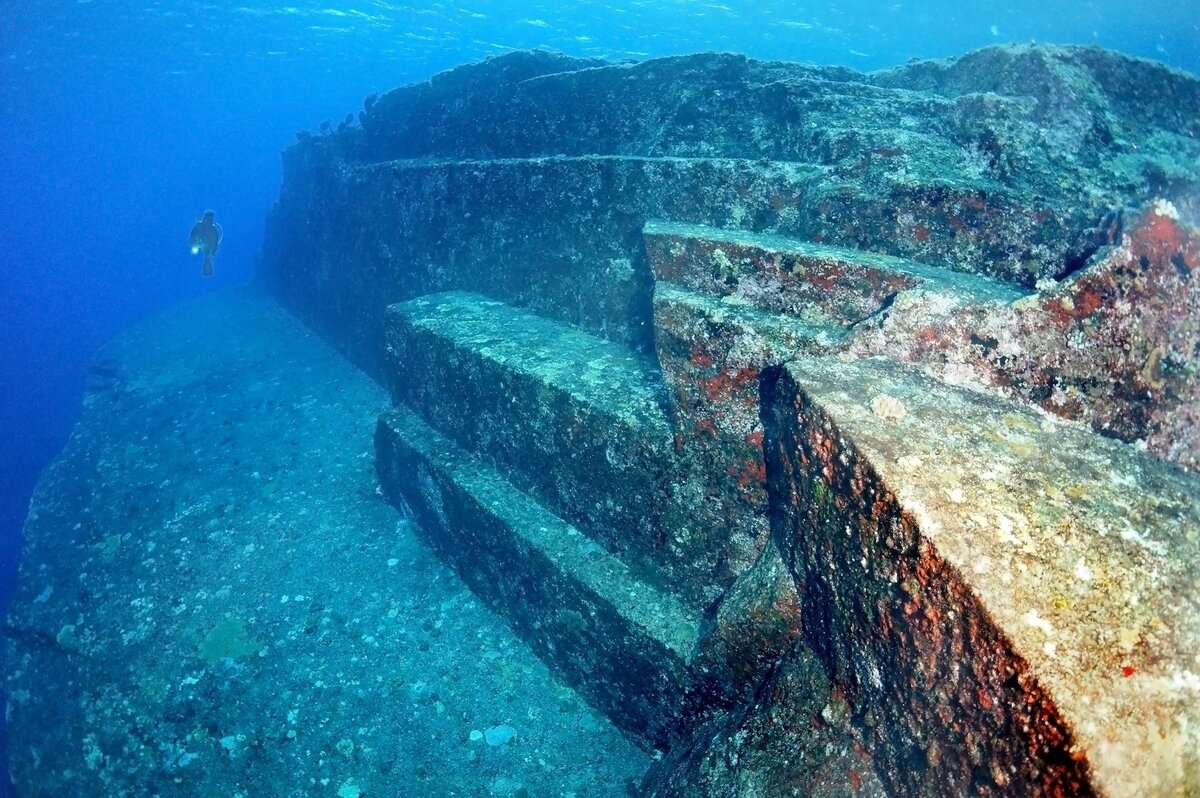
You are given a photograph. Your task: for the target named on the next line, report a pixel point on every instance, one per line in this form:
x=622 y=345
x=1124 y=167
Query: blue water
x=121 y=122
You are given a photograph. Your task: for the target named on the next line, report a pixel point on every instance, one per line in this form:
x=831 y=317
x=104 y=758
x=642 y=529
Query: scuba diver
x=206 y=237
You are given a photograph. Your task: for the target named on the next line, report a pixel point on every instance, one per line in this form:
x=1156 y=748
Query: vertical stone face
x=898 y=630
x=900 y=595
x=790 y=738
x=717 y=435
x=816 y=284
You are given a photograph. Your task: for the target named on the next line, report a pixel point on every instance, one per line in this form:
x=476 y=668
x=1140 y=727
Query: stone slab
x=817 y=283
x=560 y=236
x=576 y=420
x=1010 y=602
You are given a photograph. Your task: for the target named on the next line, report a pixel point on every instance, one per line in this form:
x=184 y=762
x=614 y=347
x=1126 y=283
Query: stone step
x=576 y=421
x=1113 y=344
x=814 y=282
x=730 y=303
x=988 y=584
x=1116 y=344
x=625 y=644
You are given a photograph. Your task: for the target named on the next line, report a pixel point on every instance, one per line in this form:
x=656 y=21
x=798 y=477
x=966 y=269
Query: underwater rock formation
x=528 y=177
x=830 y=433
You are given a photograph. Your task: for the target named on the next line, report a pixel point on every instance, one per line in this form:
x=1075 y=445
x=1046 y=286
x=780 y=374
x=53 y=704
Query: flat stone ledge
x=1116 y=345
x=576 y=421
x=616 y=381
x=815 y=282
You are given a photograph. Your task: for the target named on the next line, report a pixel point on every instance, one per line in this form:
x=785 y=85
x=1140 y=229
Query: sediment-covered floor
x=215 y=599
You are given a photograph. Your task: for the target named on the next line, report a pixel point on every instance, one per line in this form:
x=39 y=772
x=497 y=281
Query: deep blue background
x=121 y=122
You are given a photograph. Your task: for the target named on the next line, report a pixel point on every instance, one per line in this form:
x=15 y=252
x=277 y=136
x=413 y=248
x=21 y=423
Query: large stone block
x=576 y=420
x=1010 y=603
x=793 y=737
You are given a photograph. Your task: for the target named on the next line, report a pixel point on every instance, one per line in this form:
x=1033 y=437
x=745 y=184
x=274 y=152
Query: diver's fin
x=208 y=269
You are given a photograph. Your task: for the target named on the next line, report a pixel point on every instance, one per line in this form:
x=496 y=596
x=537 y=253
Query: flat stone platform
x=215 y=599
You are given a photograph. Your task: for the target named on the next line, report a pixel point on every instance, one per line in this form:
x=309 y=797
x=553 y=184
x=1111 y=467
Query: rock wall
x=528 y=177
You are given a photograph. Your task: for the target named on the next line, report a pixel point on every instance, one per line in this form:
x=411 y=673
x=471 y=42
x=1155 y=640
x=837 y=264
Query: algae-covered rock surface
x=528 y=177
x=215 y=600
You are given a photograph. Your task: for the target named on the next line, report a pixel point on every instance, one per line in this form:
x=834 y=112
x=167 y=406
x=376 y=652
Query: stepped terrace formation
x=827 y=433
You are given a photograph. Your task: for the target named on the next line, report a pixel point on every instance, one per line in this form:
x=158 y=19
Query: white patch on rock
x=889 y=408
x=432 y=494
x=1083 y=572
x=1037 y=622
x=1165 y=208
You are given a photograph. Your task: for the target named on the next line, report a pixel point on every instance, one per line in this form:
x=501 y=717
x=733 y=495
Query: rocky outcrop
x=528 y=177
x=916 y=449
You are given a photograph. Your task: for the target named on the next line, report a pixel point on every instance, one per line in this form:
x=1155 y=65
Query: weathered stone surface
x=711 y=354
x=756 y=623
x=559 y=235
x=793 y=738
x=576 y=420
x=1116 y=345
x=1010 y=603
x=528 y=177
x=1038 y=120
x=816 y=284
x=729 y=304
x=626 y=645
x=756 y=301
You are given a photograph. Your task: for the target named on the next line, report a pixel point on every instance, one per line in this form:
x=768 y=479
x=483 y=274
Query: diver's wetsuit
x=206 y=237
